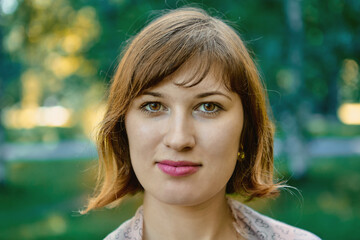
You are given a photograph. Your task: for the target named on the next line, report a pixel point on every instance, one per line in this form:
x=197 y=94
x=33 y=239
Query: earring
x=241 y=154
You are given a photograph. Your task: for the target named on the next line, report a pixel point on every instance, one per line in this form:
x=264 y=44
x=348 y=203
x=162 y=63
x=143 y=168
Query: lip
x=178 y=168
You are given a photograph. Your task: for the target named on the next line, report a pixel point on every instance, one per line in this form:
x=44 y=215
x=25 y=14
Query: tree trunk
x=291 y=119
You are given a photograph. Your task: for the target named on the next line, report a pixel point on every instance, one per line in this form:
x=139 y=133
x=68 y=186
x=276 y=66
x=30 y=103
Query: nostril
x=179 y=141
x=186 y=149
x=179 y=135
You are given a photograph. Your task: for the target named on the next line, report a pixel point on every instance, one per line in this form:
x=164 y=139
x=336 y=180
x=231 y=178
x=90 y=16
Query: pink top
x=248 y=223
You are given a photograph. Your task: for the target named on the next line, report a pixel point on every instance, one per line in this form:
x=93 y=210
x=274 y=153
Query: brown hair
x=155 y=53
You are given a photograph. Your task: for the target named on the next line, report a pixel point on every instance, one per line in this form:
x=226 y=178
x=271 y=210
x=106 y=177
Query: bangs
x=197 y=69
x=193 y=44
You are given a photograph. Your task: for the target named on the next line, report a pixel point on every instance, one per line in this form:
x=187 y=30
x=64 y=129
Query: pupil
x=154 y=106
x=209 y=107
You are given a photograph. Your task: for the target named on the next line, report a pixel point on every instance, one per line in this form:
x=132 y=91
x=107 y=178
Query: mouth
x=178 y=168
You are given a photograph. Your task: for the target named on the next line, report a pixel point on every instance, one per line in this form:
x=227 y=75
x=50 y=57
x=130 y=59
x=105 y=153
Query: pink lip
x=178 y=168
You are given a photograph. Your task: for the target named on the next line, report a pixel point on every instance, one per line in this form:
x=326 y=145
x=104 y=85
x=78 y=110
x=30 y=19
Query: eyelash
x=147 y=111
x=217 y=106
x=218 y=109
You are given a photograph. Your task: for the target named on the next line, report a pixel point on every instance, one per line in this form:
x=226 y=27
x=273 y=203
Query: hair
x=156 y=52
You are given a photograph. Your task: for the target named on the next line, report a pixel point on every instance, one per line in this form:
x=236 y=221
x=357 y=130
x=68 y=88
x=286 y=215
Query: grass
x=40 y=201
x=329 y=202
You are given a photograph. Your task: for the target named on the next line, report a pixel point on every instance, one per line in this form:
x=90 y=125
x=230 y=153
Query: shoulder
x=120 y=232
x=130 y=229
x=254 y=225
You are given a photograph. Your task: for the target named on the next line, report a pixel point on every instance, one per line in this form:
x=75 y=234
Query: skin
x=201 y=124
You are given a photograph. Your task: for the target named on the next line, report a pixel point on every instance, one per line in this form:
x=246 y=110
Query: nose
x=179 y=134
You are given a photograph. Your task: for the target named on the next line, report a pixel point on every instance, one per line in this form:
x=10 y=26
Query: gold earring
x=241 y=155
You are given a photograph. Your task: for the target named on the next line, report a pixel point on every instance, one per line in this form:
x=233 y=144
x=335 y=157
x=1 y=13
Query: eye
x=155 y=106
x=209 y=108
x=152 y=107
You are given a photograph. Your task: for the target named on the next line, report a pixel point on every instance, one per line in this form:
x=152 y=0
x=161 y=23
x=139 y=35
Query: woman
x=186 y=124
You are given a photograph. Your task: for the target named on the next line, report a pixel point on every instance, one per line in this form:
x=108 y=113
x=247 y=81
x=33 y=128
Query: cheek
x=220 y=147
x=142 y=136
x=223 y=141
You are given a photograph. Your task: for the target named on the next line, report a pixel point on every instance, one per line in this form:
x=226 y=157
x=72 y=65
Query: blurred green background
x=56 y=60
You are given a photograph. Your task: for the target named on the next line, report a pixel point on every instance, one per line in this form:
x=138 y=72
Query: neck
x=205 y=221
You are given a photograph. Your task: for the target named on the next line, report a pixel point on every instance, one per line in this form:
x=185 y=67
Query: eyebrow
x=206 y=94
x=201 y=95
x=155 y=94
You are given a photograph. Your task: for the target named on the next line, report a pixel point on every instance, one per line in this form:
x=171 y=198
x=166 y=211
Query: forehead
x=187 y=79
x=194 y=75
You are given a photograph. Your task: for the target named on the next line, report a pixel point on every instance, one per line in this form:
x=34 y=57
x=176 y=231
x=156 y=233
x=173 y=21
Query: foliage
x=64 y=52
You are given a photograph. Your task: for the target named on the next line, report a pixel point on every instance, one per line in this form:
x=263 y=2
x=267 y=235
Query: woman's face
x=184 y=141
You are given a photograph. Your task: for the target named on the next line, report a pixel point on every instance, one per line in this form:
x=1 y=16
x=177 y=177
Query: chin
x=182 y=198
